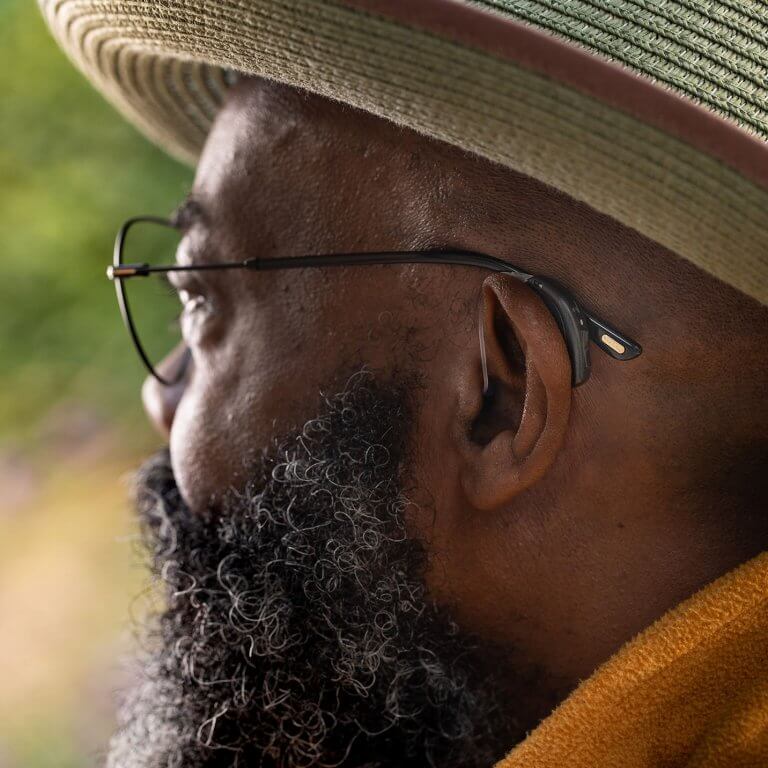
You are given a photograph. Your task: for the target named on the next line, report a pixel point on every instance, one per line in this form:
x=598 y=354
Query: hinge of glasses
x=127 y=270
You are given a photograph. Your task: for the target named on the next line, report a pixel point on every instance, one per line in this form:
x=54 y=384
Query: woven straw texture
x=716 y=53
x=163 y=64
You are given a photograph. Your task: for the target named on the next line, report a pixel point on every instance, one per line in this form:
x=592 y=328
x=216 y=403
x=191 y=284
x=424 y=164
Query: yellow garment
x=691 y=691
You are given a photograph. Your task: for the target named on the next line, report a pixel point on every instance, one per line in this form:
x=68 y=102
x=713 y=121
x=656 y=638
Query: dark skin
x=560 y=521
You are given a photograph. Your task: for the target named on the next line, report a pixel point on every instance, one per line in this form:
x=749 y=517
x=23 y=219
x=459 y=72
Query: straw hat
x=652 y=111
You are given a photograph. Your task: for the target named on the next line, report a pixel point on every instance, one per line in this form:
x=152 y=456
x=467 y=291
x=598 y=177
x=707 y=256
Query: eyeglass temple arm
x=559 y=299
x=577 y=324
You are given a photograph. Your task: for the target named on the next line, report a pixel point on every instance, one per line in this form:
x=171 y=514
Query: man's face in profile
x=367 y=559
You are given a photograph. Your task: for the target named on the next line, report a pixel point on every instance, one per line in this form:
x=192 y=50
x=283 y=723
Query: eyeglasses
x=151 y=312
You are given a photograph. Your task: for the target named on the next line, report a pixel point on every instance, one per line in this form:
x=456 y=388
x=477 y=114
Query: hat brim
x=655 y=161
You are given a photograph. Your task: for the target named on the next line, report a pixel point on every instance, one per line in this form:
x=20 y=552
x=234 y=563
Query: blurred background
x=71 y=426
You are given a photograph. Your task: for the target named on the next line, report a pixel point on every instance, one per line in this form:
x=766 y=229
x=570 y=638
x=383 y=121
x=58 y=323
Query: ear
x=511 y=435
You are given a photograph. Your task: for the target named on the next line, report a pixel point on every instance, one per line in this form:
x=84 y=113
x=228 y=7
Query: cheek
x=282 y=351
x=256 y=386
x=220 y=430
x=203 y=448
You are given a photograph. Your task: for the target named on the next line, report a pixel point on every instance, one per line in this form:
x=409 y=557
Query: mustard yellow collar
x=691 y=690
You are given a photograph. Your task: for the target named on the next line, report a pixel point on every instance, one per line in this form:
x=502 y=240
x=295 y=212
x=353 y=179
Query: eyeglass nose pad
x=184 y=364
x=172 y=370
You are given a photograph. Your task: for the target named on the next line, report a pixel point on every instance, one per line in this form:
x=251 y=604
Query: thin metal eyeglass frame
x=577 y=325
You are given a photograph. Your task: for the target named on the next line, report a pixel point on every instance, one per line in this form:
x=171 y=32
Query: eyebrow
x=190 y=212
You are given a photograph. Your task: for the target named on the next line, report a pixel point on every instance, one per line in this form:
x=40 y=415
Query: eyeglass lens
x=152 y=301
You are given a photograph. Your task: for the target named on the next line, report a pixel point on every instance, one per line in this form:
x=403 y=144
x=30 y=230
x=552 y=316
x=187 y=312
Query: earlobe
x=512 y=434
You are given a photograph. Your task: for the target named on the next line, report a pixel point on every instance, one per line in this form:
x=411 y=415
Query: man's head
x=555 y=523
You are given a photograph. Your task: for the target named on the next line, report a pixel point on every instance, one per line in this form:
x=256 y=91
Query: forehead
x=293 y=171
x=265 y=127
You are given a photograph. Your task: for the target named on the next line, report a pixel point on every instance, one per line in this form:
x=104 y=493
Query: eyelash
x=168 y=286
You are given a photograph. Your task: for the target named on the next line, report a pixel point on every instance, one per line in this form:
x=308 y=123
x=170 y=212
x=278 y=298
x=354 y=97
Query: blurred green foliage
x=71 y=169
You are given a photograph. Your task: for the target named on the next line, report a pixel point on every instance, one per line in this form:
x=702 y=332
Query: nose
x=161 y=401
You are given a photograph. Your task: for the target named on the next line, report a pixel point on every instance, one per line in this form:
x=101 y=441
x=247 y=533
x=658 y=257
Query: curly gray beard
x=296 y=629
